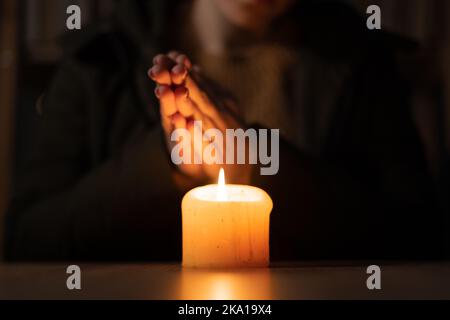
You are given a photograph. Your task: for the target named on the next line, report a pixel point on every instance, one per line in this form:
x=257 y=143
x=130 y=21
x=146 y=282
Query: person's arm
x=320 y=211
x=64 y=209
x=371 y=197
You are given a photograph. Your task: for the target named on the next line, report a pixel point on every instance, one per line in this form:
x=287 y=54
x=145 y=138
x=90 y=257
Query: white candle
x=226 y=226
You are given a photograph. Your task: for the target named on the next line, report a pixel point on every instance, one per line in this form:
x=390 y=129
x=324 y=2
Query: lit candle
x=226 y=226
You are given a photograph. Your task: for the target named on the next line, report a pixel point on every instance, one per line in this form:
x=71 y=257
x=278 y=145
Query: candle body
x=226 y=233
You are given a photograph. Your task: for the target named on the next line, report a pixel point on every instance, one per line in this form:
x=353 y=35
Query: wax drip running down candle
x=226 y=226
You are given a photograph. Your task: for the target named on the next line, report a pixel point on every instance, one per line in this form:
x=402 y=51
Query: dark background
x=31 y=46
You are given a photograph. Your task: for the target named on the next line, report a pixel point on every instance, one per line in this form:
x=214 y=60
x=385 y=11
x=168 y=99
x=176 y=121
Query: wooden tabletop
x=171 y=281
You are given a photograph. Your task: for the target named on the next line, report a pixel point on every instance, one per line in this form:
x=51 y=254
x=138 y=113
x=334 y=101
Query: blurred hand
x=186 y=96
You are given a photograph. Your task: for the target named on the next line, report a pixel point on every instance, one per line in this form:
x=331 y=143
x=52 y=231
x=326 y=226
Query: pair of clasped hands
x=186 y=96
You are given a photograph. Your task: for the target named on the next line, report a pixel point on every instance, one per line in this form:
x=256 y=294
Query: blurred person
x=100 y=184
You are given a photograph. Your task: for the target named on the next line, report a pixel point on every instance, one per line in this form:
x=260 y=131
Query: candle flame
x=221 y=177
x=221 y=191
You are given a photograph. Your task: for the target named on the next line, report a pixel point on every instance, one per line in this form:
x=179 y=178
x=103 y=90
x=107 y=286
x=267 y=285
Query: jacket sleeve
x=370 y=195
x=64 y=209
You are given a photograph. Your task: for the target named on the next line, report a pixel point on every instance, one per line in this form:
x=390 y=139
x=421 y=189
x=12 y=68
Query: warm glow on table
x=230 y=284
x=226 y=226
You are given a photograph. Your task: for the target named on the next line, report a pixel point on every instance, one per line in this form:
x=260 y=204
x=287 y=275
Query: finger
x=167 y=100
x=183 y=103
x=160 y=75
x=189 y=109
x=190 y=126
x=199 y=116
x=178 y=74
x=184 y=60
x=180 y=58
x=178 y=121
x=164 y=61
x=166 y=123
x=203 y=103
x=176 y=62
x=159 y=58
x=173 y=54
x=208 y=123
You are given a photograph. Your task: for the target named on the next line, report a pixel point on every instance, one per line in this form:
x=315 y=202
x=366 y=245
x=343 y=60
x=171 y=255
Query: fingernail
x=157 y=92
x=157 y=58
x=178 y=70
x=184 y=60
x=155 y=71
